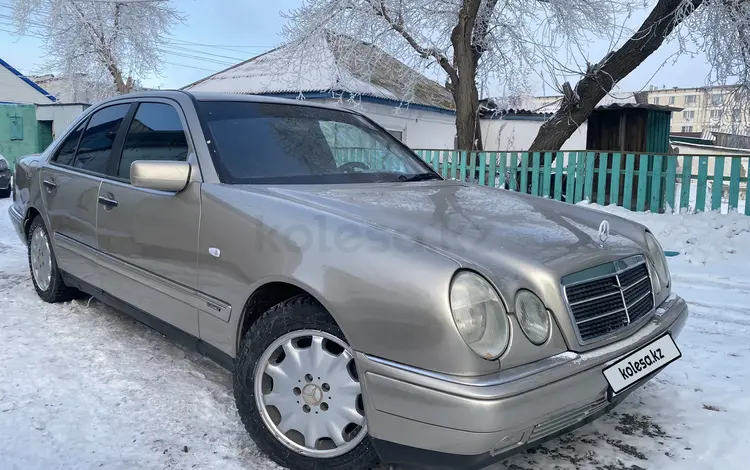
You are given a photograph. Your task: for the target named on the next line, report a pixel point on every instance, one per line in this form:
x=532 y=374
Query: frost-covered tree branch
x=469 y=44
x=106 y=45
x=717 y=27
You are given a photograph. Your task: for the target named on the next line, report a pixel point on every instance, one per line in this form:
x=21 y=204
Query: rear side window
x=98 y=138
x=156 y=133
x=67 y=151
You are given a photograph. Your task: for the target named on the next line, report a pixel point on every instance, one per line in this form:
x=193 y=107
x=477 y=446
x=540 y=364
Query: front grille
x=606 y=303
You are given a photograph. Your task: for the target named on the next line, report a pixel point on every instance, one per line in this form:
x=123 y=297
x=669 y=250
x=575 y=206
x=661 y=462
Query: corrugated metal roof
x=328 y=62
x=656 y=107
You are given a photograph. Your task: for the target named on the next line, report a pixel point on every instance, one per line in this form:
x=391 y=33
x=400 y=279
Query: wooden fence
x=639 y=182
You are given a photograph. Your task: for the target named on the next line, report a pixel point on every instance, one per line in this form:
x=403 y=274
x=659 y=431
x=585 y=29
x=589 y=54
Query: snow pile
x=82 y=386
x=710 y=239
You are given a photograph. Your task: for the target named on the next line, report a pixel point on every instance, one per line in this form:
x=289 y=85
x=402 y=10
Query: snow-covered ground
x=83 y=386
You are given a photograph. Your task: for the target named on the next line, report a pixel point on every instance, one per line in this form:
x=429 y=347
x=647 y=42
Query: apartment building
x=705 y=109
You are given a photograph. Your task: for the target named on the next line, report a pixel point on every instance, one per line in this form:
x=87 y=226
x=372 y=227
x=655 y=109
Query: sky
x=238 y=30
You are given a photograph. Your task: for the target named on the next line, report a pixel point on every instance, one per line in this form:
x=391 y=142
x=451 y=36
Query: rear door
x=148 y=238
x=70 y=188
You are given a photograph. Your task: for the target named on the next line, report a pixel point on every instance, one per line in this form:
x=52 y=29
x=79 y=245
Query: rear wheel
x=45 y=274
x=298 y=391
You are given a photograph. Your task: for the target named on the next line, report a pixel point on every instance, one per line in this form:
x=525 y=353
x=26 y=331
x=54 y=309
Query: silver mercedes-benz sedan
x=371 y=311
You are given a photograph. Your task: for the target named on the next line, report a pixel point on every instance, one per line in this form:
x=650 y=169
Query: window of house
x=656 y=100
x=717 y=99
x=156 y=133
x=691 y=99
x=688 y=114
x=397 y=134
x=716 y=113
x=687 y=128
x=67 y=151
x=98 y=138
x=671 y=100
x=736 y=115
x=16 y=128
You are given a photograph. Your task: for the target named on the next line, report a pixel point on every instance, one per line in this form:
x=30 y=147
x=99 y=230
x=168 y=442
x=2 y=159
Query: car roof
x=213 y=96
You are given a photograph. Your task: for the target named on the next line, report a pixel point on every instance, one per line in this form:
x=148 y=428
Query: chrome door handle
x=107 y=201
x=49 y=184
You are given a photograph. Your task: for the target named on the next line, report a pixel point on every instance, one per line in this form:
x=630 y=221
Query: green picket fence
x=637 y=182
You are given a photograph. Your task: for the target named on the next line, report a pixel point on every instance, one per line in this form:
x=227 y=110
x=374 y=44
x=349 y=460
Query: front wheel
x=298 y=392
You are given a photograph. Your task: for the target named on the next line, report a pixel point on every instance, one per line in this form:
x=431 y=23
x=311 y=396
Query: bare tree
x=468 y=43
x=717 y=27
x=108 y=44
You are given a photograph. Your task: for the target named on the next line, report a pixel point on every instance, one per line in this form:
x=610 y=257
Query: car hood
x=481 y=226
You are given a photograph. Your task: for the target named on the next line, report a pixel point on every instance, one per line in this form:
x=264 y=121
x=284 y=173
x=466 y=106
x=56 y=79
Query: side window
x=67 y=151
x=156 y=133
x=98 y=138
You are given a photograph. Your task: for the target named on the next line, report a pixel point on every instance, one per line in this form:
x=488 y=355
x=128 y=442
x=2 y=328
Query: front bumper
x=4 y=180
x=417 y=417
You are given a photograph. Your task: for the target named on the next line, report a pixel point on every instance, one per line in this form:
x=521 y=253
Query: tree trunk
x=122 y=86
x=465 y=93
x=577 y=105
x=467 y=116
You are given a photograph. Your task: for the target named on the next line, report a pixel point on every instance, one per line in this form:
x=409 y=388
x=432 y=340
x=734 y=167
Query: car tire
x=5 y=193
x=51 y=288
x=288 y=325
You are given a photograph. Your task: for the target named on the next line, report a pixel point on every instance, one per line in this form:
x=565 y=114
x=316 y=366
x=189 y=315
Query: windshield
x=256 y=143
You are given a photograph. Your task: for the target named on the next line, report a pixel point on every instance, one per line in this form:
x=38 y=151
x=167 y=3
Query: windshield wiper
x=420 y=177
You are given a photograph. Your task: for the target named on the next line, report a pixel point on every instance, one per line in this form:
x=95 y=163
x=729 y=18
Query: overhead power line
x=191 y=67
x=195 y=51
x=196 y=57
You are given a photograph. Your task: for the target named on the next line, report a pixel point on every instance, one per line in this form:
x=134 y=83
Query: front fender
x=387 y=292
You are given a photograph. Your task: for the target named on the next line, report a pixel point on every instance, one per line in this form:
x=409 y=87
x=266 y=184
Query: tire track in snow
x=711 y=282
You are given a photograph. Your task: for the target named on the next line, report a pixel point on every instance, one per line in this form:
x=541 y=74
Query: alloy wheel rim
x=41 y=259
x=309 y=396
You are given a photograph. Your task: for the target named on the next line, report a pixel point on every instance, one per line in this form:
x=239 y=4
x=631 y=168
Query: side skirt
x=223 y=359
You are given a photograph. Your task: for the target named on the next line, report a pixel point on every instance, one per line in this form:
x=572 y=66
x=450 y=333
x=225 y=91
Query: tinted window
x=96 y=143
x=155 y=134
x=273 y=143
x=68 y=149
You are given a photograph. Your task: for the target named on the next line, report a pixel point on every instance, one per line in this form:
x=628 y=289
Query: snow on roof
x=328 y=62
x=615 y=96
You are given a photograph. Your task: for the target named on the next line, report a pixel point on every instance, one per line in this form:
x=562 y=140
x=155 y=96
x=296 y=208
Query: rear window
x=67 y=151
x=96 y=144
x=291 y=144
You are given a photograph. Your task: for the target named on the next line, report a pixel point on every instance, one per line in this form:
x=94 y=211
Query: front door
x=148 y=238
x=71 y=181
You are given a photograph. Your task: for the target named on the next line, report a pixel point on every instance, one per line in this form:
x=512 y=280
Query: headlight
x=479 y=315
x=658 y=260
x=532 y=316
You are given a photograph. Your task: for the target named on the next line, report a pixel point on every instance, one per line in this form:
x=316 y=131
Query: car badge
x=603 y=233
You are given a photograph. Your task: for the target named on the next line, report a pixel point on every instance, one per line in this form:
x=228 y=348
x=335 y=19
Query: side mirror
x=160 y=175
